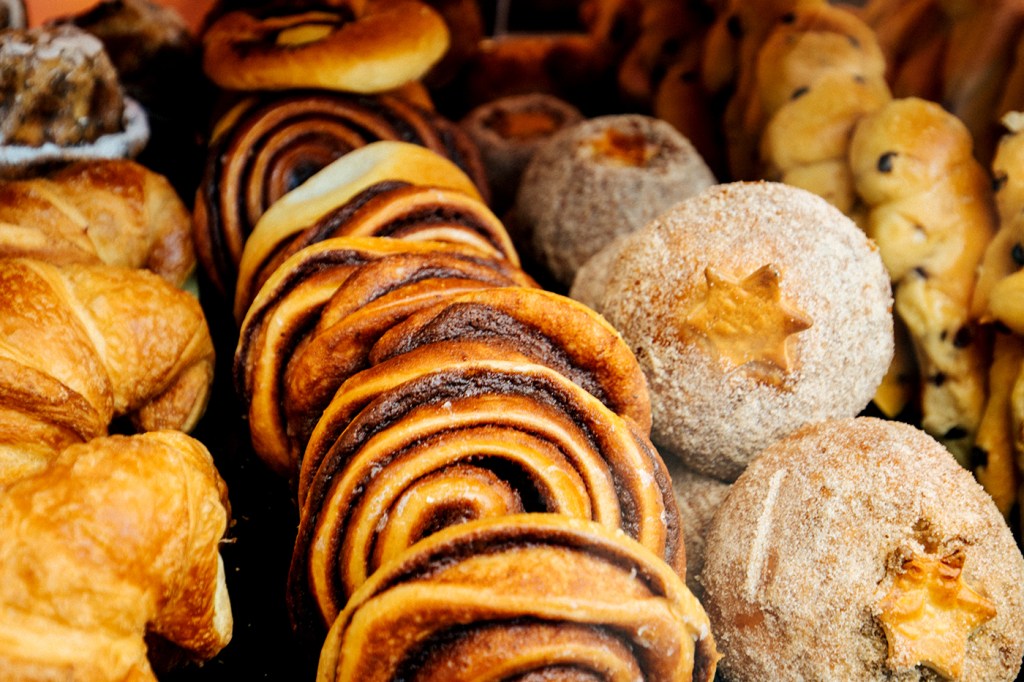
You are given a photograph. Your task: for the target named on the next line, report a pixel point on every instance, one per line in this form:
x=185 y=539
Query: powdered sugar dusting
x=716 y=417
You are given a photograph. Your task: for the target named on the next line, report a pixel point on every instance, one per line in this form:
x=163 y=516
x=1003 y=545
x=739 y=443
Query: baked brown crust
x=369 y=47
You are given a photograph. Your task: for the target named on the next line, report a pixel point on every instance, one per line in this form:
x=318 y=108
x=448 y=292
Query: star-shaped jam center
x=748 y=321
x=929 y=614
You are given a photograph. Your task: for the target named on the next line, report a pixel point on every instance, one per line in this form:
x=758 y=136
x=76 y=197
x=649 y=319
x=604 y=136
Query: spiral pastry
x=269 y=144
x=456 y=431
x=522 y=597
x=286 y=308
x=371 y=301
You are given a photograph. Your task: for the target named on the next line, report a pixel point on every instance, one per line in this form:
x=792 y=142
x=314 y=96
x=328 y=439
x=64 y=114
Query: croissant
x=393 y=457
x=269 y=144
x=115 y=212
x=535 y=596
x=83 y=344
x=118 y=539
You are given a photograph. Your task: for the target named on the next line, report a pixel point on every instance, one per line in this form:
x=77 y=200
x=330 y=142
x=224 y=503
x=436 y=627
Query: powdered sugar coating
x=810 y=537
x=715 y=416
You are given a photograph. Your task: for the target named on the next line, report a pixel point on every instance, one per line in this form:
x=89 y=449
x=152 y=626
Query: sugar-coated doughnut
x=858 y=549
x=754 y=308
x=361 y=47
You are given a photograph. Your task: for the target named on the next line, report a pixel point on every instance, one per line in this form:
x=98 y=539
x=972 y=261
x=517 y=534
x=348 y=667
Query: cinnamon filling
x=623 y=149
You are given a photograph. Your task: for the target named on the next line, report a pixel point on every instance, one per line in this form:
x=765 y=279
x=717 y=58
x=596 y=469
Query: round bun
x=600 y=179
x=698 y=498
x=754 y=309
x=363 y=47
x=858 y=549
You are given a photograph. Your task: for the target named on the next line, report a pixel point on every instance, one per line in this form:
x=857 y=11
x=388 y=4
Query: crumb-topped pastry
x=858 y=549
x=754 y=309
x=60 y=97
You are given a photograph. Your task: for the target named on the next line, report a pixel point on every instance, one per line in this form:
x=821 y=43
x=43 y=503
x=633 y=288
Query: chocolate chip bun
x=599 y=179
x=754 y=309
x=858 y=549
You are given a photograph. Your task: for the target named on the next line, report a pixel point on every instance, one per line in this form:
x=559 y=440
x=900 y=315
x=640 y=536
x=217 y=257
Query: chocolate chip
x=885 y=162
x=1018 y=254
x=921 y=272
x=955 y=433
x=788 y=18
x=999 y=181
x=978 y=457
x=938 y=378
x=800 y=92
x=734 y=26
x=963 y=338
x=854 y=41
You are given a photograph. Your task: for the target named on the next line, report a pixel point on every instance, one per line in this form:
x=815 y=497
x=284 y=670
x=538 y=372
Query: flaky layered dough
x=367 y=47
x=270 y=143
x=531 y=597
x=389 y=460
x=115 y=212
x=81 y=345
x=814 y=342
x=822 y=561
x=117 y=539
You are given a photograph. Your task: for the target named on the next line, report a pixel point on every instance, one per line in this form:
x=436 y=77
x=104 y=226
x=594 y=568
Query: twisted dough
x=931 y=216
x=113 y=212
x=117 y=539
x=83 y=344
x=535 y=596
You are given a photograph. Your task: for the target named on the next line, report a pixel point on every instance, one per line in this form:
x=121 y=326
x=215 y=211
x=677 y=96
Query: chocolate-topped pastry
x=60 y=97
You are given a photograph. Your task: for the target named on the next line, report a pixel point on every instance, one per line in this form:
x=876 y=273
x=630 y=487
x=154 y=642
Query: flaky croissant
x=107 y=211
x=84 y=344
x=118 y=538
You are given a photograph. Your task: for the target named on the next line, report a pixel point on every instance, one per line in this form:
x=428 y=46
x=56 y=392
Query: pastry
x=931 y=214
x=117 y=540
x=83 y=344
x=599 y=179
x=104 y=211
x=535 y=596
x=61 y=99
x=456 y=431
x=698 y=498
x=508 y=131
x=753 y=308
x=269 y=144
x=364 y=46
x=823 y=563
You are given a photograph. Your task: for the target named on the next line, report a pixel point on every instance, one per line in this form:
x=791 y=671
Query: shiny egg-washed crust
x=334 y=186
x=372 y=47
x=286 y=309
x=712 y=414
x=270 y=143
x=930 y=212
x=812 y=536
x=105 y=211
x=600 y=179
x=448 y=388
x=377 y=296
x=534 y=596
x=399 y=210
x=83 y=344
x=117 y=539
x=552 y=329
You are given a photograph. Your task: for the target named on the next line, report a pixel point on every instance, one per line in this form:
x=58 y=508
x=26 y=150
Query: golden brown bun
x=81 y=345
x=117 y=539
x=374 y=48
x=538 y=592
x=831 y=541
x=115 y=212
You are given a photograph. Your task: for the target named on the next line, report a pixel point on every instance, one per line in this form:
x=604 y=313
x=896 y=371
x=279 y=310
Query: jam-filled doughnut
x=858 y=549
x=357 y=46
x=754 y=309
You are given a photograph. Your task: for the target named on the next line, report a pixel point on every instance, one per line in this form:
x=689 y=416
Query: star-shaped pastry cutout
x=929 y=614
x=747 y=321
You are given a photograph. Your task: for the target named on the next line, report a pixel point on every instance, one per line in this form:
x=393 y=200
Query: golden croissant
x=117 y=539
x=85 y=344
x=107 y=211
